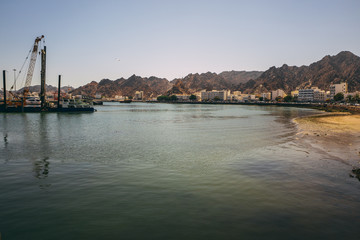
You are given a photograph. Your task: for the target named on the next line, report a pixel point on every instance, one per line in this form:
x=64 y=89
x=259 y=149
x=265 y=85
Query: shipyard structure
x=13 y=101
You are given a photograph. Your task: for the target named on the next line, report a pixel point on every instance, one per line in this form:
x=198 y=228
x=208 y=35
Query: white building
x=277 y=93
x=338 y=88
x=306 y=95
x=222 y=95
x=312 y=95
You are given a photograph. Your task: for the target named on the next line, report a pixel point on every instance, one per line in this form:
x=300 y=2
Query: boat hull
x=11 y=109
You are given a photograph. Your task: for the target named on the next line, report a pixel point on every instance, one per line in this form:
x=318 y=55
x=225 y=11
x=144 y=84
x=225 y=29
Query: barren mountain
x=125 y=87
x=49 y=88
x=345 y=66
x=209 y=81
x=237 y=77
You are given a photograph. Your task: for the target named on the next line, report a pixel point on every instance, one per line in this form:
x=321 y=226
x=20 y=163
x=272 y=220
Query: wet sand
x=334 y=134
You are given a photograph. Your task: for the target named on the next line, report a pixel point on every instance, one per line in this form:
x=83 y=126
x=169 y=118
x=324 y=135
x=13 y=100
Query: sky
x=92 y=40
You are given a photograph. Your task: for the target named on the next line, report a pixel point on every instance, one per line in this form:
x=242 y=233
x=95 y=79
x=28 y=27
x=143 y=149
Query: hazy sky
x=91 y=40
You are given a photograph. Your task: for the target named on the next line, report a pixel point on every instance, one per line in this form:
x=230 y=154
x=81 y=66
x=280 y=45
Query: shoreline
x=334 y=134
x=327 y=107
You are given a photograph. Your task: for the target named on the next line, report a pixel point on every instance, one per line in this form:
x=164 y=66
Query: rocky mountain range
x=151 y=87
x=344 y=66
x=154 y=86
x=49 y=88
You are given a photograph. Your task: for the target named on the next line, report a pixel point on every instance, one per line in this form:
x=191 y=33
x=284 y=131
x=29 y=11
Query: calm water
x=161 y=171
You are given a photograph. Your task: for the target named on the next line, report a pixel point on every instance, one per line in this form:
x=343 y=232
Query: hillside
x=152 y=87
x=237 y=77
x=344 y=66
x=49 y=88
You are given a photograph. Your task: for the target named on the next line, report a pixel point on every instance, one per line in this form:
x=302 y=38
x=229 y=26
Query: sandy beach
x=335 y=134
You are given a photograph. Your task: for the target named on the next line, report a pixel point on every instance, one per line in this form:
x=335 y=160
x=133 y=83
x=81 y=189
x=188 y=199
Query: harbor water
x=170 y=171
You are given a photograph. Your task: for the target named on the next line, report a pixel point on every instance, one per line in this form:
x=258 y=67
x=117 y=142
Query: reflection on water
x=41 y=168
x=5 y=139
x=167 y=171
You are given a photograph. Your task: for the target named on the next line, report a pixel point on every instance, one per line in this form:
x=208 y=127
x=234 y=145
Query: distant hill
x=154 y=86
x=345 y=66
x=49 y=88
x=151 y=86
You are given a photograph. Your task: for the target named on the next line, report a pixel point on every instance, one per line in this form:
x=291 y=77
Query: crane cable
x=27 y=57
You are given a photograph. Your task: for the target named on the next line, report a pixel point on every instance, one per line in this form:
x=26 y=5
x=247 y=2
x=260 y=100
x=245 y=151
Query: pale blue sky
x=170 y=39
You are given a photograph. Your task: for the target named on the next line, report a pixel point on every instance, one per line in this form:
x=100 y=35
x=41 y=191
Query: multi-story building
x=306 y=95
x=221 y=95
x=338 y=88
x=277 y=93
x=312 y=95
x=319 y=95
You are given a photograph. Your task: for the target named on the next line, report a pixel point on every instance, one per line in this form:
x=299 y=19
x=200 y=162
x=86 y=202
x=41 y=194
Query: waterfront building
x=295 y=93
x=319 y=95
x=338 y=88
x=183 y=97
x=306 y=95
x=235 y=96
x=120 y=98
x=313 y=94
x=277 y=93
x=222 y=95
x=139 y=95
x=266 y=96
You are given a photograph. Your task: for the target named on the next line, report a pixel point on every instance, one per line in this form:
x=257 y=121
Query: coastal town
x=196 y=120
x=338 y=93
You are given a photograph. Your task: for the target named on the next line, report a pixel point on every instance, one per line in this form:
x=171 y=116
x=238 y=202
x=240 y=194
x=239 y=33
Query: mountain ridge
x=345 y=66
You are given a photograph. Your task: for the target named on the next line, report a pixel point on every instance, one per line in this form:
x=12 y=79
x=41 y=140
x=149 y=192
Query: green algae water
x=163 y=171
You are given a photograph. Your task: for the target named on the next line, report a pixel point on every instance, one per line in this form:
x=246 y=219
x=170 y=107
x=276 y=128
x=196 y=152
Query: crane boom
x=32 y=62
